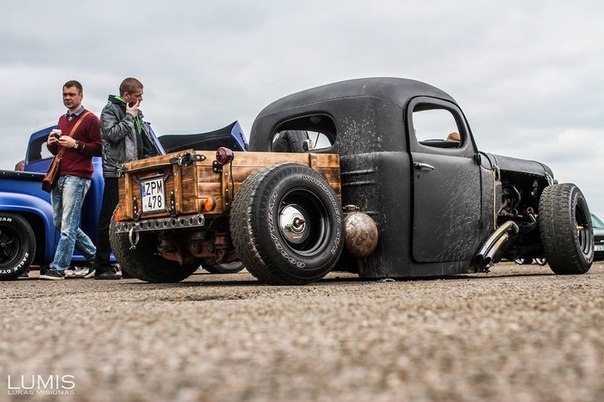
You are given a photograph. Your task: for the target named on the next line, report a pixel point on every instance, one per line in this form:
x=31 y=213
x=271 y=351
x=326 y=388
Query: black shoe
x=106 y=275
x=53 y=275
x=24 y=274
x=44 y=270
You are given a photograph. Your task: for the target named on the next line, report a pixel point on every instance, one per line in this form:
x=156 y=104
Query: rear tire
x=17 y=245
x=145 y=262
x=565 y=228
x=286 y=225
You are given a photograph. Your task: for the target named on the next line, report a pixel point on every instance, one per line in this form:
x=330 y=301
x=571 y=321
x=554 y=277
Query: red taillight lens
x=209 y=205
x=224 y=155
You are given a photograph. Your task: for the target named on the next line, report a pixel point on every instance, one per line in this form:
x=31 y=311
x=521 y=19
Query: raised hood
x=230 y=136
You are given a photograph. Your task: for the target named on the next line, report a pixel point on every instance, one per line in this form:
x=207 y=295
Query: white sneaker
x=90 y=273
x=70 y=273
x=77 y=272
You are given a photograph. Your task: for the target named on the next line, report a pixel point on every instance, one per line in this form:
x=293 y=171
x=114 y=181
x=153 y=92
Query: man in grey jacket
x=126 y=137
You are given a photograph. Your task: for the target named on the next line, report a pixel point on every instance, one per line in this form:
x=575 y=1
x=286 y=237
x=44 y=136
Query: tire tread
x=557 y=228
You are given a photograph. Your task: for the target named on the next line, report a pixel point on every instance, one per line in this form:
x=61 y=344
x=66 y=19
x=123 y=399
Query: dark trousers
x=103 y=247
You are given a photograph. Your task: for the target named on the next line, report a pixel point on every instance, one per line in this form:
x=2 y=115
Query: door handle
x=423 y=166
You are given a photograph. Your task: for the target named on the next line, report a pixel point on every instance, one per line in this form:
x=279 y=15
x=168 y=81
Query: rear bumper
x=160 y=224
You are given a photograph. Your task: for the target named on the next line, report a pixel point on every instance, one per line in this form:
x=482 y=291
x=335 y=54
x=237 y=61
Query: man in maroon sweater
x=75 y=174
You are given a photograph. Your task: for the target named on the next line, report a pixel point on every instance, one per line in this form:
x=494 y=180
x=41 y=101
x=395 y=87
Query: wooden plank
x=188 y=191
x=154 y=162
x=177 y=188
x=125 y=206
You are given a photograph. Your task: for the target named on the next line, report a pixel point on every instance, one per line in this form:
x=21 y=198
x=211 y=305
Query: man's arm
x=115 y=130
x=92 y=144
x=52 y=145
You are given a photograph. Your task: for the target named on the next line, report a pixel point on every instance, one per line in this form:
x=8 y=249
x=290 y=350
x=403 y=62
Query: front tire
x=17 y=245
x=145 y=262
x=565 y=228
x=286 y=225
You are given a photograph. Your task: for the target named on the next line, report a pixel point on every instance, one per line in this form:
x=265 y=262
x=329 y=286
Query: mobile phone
x=56 y=135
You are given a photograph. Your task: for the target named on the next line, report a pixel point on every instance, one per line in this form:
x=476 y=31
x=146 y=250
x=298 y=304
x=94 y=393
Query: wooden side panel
x=246 y=163
x=208 y=184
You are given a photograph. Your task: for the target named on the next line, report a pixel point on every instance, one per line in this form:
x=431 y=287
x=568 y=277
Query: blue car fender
x=38 y=209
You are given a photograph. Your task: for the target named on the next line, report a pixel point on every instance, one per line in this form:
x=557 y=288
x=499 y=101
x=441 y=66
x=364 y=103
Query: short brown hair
x=73 y=83
x=130 y=85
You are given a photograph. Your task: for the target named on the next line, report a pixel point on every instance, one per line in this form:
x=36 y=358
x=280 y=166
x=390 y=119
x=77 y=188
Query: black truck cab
x=409 y=160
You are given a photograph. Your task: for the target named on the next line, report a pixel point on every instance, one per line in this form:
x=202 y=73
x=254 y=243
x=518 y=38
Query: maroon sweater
x=78 y=162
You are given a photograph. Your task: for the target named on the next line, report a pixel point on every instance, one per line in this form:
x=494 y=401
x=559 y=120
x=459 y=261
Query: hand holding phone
x=54 y=135
x=132 y=108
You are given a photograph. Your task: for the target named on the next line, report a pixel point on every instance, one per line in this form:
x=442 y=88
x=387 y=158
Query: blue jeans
x=67 y=199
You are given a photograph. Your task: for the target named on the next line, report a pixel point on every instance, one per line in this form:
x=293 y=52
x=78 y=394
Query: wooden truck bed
x=191 y=182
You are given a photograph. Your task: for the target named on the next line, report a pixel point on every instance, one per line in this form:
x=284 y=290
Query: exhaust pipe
x=497 y=239
x=488 y=258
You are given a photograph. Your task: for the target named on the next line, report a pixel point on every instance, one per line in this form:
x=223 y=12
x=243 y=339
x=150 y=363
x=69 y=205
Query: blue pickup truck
x=27 y=232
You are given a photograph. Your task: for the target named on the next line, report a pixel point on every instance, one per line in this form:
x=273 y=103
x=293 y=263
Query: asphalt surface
x=515 y=334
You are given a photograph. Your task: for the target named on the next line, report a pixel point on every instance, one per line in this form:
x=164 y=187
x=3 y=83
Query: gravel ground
x=515 y=334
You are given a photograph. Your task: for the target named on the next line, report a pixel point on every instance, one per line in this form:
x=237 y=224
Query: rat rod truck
x=393 y=185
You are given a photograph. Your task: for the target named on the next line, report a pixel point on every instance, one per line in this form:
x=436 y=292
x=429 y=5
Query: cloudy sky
x=529 y=75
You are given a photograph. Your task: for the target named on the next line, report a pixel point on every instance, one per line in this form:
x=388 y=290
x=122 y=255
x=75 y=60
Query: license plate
x=153 y=194
x=599 y=247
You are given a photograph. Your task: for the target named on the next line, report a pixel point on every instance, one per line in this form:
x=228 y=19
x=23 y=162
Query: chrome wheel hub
x=292 y=224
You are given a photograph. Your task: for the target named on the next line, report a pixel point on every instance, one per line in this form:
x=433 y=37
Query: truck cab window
x=436 y=128
x=299 y=141
x=314 y=133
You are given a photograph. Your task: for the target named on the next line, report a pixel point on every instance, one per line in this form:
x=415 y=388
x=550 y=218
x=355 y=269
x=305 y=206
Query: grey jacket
x=120 y=142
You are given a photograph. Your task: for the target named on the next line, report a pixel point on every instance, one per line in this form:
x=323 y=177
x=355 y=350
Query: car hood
x=506 y=163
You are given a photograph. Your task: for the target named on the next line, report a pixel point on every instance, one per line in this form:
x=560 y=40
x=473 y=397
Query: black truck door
x=445 y=181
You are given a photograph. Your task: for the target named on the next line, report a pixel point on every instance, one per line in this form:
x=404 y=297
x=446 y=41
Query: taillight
x=224 y=155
